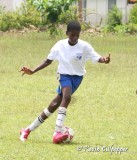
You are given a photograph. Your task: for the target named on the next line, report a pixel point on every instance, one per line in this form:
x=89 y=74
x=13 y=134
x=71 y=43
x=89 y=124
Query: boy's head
x=73 y=31
x=73 y=25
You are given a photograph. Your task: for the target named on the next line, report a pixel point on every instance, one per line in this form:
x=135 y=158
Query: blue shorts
x=72 y=81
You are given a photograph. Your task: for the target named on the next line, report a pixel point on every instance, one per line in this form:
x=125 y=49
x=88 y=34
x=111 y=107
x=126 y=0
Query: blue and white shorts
x=72 y=81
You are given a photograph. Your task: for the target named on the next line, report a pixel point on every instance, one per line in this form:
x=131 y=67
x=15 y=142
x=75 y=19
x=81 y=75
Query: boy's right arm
x=28 y=71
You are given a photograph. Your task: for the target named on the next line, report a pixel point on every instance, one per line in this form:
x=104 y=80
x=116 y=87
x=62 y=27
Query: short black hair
x=73 y=25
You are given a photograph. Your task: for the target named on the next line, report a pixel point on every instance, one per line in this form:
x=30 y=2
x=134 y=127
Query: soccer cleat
x=59 y=137
x=24 y=134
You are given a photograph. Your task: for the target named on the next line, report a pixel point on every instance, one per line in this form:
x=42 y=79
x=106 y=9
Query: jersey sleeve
x=91 y=54
x=53 y=52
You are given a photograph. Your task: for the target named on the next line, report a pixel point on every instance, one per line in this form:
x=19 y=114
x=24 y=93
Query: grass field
x=103 y=111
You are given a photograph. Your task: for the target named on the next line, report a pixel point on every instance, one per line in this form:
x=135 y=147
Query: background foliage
x=39 y=13
x=133 y=14
x=115 y=25
x=114 y=18
x=50 y=14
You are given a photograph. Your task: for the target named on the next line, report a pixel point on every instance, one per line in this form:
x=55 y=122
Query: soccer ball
x=69 y=131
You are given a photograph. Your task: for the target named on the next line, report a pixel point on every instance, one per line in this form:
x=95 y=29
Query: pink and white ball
x=70 y=132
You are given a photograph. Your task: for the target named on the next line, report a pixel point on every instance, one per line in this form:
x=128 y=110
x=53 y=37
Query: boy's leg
x=43 y=116
x=52 y=106
x=46 y=113
x=66 y=98
x=68 y=85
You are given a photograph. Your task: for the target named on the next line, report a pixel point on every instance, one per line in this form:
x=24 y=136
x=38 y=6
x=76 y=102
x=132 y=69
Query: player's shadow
x=49 y=142
x=73 y=144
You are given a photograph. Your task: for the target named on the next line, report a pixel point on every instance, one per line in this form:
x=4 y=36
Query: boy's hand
x=107 y=59
x=26 y=70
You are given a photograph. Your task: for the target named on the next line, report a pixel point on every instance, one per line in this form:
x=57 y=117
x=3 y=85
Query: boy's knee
x=67 y=97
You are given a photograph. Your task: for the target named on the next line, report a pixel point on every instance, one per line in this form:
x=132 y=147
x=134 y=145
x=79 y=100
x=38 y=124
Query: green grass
x=102 y=112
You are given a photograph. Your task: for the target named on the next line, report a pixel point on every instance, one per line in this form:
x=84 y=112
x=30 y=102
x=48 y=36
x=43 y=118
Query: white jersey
x=72 y=58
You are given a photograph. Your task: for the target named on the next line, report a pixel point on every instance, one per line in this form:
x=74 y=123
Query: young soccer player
x=71 y=54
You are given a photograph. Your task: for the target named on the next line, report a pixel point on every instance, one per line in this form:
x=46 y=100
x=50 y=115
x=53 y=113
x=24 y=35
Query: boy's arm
x=104 y=59
x=28 y=71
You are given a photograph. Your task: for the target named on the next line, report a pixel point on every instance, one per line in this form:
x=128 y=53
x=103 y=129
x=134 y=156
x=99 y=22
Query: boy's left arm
x=105 y=60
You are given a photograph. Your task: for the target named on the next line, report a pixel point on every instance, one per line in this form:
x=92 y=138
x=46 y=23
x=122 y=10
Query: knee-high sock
x=38 y=121
x=60 y=118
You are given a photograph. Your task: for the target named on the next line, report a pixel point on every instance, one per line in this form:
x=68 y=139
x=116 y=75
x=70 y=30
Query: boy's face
x=73 y=36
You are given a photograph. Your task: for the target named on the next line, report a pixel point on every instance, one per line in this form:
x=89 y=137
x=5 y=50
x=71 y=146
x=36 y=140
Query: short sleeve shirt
x=72 y=59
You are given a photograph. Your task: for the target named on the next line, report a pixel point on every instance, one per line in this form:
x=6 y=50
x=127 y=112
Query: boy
x=71 y=54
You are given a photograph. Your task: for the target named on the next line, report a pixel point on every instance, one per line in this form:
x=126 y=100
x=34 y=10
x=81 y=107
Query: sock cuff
x=40 y=119
x=47 y=113
x=62 y=109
